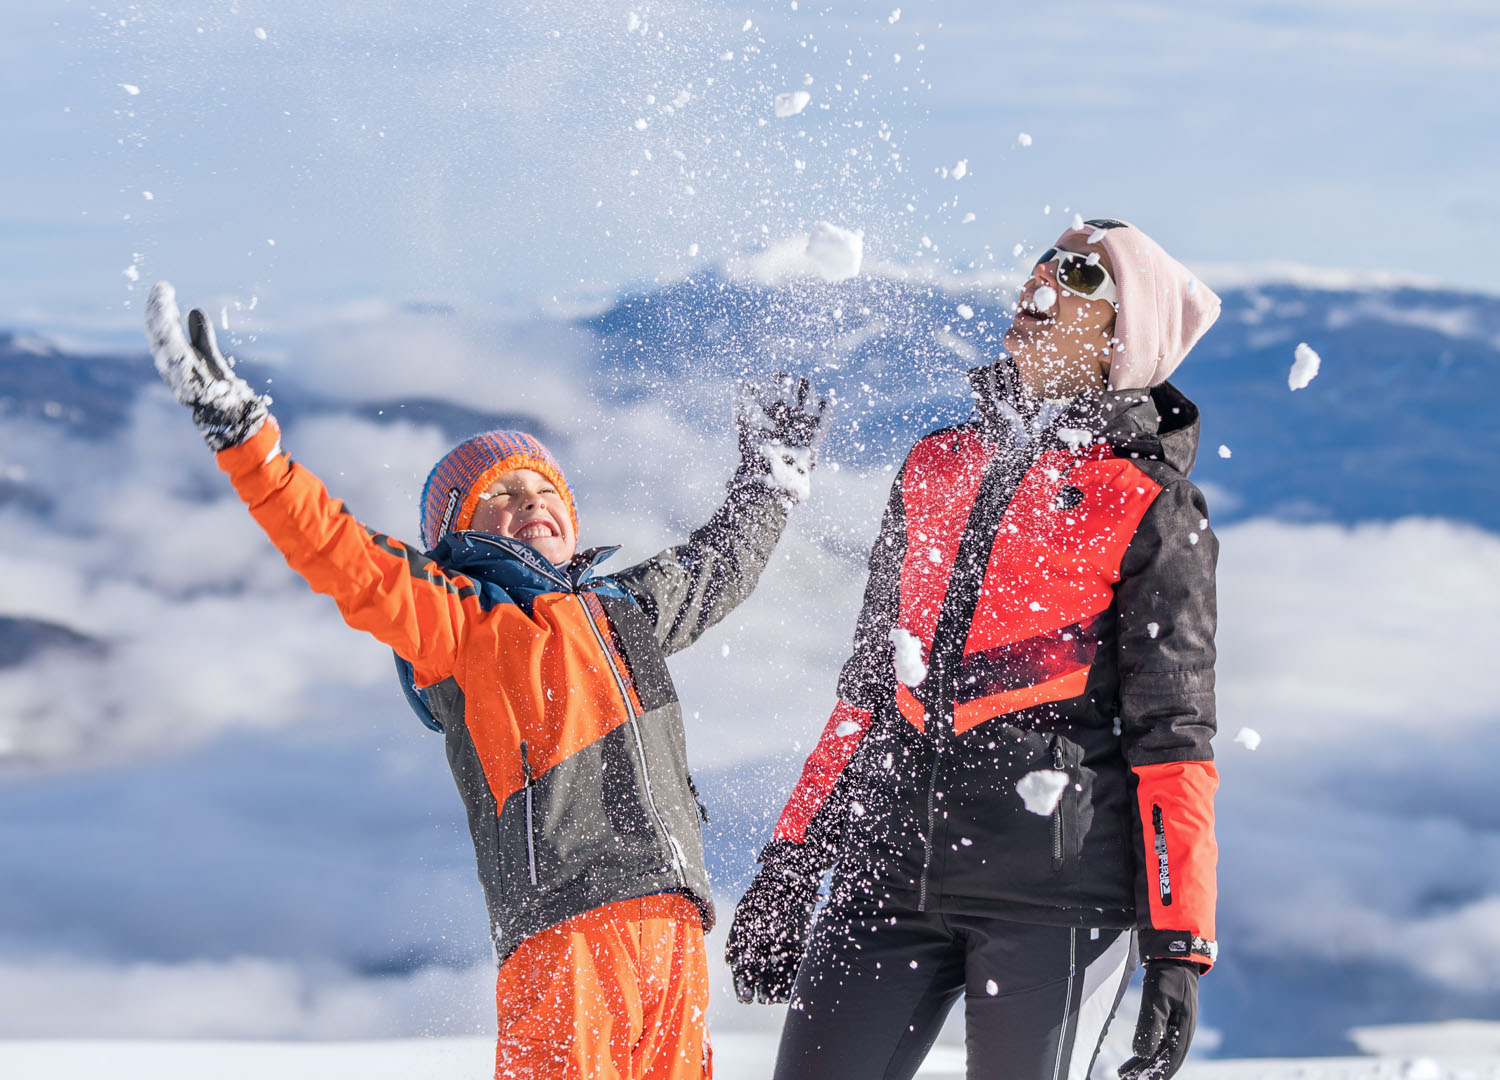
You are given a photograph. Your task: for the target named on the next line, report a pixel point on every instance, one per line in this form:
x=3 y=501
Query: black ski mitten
x=1169 y=1016
x=771 y=922
x=224 y=407
x=780 y=431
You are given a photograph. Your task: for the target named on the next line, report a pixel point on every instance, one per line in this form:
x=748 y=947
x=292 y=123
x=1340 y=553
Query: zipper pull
x=525 y=764
x=1057 y=758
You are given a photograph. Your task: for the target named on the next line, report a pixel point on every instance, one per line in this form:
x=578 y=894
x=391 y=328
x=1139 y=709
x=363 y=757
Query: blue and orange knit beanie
x=451 y=494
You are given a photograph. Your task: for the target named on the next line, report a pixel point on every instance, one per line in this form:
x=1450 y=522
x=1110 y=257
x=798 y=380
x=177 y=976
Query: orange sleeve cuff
x=1181 y=859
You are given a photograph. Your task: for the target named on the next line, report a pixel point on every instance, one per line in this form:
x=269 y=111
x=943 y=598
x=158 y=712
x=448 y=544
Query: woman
x=1016 y=786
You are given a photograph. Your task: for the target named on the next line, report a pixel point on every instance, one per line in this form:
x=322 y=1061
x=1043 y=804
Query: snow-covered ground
x=1456 y=1053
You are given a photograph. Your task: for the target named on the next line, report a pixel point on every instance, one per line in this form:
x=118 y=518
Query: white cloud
x=246 y=997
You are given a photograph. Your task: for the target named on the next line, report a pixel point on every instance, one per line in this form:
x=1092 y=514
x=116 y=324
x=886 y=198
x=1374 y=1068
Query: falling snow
x=790 y=104
x=1040 y=790
x=1305 y=364
x=911 y=669
x=836 y=253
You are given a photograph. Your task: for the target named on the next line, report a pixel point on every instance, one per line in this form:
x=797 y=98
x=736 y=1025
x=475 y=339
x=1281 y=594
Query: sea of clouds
x=222 y=820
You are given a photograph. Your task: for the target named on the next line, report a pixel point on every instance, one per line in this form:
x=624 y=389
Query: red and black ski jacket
x=1058 y=572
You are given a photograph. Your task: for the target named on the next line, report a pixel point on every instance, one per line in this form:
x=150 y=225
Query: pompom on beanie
x=451 y=494
x=1163 y=309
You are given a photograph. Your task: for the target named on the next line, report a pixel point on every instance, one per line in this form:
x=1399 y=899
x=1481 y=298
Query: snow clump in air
x=846 y=728
x=790 y=104
x=836 y=253
x=1040 y=790
x=895 y=16
x=961 y=170
x=130 y=88
x=1024 y=139
x=1225 y=452
x=911 y=669
x=260 y=32
x=1044 y=298
x=1078 y=222
x=1304 y=367
x=965 y=311
x=1247 y=737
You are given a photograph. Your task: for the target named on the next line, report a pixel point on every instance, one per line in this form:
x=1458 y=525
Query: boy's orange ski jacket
x=1051 y=580
x=550 y=684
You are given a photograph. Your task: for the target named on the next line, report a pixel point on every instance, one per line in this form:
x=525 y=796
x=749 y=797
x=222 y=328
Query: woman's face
x=1061 y=350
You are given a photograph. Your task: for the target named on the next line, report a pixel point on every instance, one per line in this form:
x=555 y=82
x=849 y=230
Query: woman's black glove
x=1169 y=1016
x=771 y=922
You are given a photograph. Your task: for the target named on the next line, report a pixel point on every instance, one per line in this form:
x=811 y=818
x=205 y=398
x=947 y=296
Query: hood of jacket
x=1157 y=423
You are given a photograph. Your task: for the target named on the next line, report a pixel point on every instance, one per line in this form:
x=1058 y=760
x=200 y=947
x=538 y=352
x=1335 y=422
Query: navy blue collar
x=479 y=554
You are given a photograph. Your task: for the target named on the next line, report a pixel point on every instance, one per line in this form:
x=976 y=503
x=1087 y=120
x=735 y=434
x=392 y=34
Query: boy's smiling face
x=524 y=505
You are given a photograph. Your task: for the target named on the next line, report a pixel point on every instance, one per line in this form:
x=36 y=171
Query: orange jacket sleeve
x=381 y=585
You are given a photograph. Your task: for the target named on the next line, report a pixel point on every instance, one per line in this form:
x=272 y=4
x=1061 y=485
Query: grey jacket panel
x=688 y=588
x=868 y=677
x=584 y=834
x=1168 y=613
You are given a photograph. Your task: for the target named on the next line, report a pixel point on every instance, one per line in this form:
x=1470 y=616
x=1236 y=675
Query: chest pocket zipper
x=530 y=844
x=1057 y=812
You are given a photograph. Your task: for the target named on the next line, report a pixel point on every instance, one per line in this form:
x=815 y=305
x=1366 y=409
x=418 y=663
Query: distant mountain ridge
x=1400 y=421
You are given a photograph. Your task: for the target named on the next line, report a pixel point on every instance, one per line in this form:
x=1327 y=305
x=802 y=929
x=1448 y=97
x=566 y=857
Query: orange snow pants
x=617 y=993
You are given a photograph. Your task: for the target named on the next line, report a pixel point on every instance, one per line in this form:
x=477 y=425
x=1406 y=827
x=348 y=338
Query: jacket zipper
x=937 y=756
x=1031 y=451
x=640 y=745
x=530 y=842
x=1057 y=812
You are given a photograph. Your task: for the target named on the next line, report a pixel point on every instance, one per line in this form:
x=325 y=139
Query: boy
x=550 y=686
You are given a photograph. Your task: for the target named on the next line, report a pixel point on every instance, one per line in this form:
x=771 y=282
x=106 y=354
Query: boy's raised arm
x=380 y=585
x=688 y=588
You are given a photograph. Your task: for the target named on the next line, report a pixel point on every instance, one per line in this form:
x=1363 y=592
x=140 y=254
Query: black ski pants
x=874 y=988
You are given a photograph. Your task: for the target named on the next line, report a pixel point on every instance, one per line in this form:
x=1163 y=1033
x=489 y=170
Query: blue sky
x=494 y=154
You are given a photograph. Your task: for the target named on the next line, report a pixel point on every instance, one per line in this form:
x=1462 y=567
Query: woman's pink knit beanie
x=1163 y=309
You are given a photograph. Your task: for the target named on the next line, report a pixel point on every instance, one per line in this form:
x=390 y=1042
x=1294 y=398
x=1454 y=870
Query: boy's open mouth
x=536 y=530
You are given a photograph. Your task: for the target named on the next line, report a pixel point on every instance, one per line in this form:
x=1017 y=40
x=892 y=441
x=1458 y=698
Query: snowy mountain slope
x=1401 y=419
x=203 y=771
